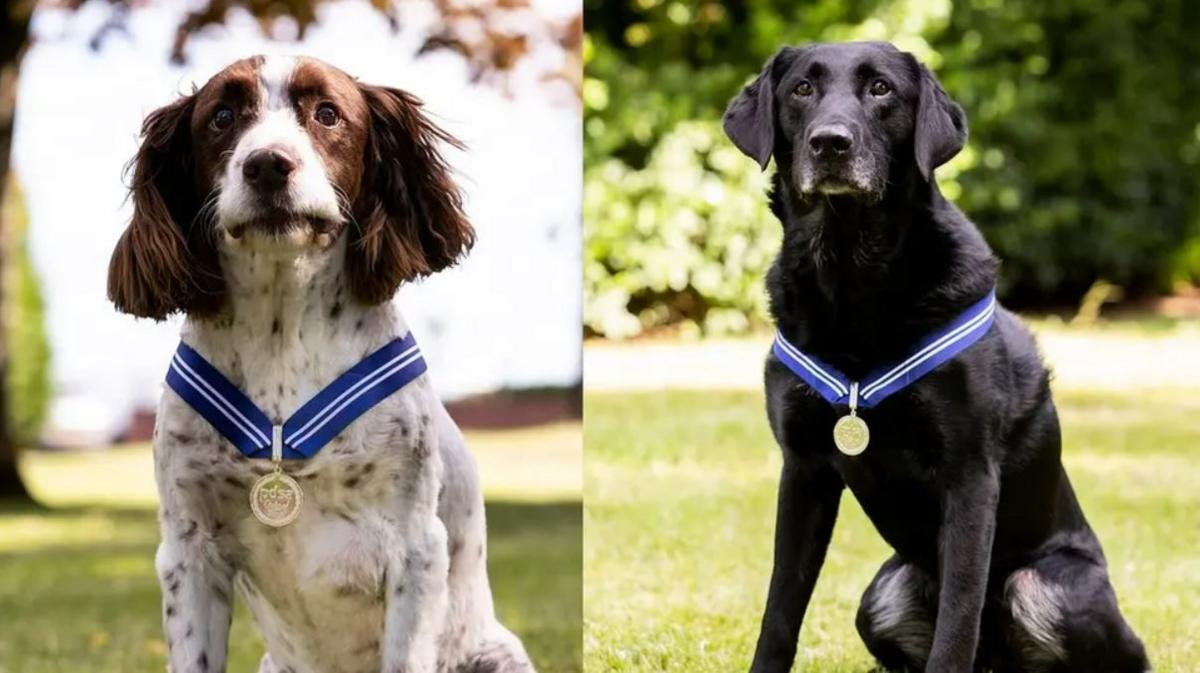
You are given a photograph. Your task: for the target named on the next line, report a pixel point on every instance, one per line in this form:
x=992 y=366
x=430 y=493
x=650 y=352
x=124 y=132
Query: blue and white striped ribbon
x=352 y=394
x=881 y=382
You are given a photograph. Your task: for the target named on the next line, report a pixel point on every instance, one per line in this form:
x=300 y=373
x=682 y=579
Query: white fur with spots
x=385 y=568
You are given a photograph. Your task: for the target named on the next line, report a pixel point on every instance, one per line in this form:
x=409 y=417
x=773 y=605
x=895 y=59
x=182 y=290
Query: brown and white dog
x=279 y=207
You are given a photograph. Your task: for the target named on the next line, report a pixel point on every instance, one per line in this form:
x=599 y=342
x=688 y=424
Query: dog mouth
x=836 y=185
x=278 y=222
x=843 y=180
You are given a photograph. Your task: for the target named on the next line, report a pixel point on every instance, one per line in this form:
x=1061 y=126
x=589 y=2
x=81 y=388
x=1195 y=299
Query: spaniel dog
x=279 y=207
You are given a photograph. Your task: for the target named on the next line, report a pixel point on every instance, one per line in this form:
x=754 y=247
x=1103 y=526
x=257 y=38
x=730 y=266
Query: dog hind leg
x=1063 y=617
x=896 y=616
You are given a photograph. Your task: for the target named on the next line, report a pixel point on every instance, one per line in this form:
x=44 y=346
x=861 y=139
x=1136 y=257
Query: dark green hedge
x=1083 y=163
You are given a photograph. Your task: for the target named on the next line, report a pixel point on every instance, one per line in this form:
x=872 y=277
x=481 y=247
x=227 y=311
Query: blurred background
x=1082 y=168
x=80 y=382
x=1083 y=172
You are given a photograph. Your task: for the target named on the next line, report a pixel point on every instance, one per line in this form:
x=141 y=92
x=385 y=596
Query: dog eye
x=222 y=118
x=326 y=115
x=880 y=88
x=803 y=89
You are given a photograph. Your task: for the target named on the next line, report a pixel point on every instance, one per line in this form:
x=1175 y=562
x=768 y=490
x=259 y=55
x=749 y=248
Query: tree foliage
x=28 y=374
x=1082 y=164
x=493 y=36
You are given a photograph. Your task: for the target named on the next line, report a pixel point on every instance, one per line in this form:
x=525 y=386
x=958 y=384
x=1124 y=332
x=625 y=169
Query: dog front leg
x=196 y=591
x=416 y=600
x=807 y=510
x=968 y=526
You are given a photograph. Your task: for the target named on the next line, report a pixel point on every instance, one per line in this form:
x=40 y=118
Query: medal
x=851 y=434
x=275 y=497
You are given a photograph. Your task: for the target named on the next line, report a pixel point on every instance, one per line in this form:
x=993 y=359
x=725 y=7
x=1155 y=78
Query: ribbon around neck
x=314 y=424
x=881 y=382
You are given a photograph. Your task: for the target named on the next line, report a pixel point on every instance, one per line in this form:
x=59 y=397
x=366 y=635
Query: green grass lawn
x=679 y=517
x=77 y=586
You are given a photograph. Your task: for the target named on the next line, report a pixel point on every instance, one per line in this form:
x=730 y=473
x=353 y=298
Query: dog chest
x=316 y=588
x=321 y=558
x=896 y=480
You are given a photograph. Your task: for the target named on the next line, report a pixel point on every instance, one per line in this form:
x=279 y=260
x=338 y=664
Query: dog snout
x=268 y=169
x=830 y=140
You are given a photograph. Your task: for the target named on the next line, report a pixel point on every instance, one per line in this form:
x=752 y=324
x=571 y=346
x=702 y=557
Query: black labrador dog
x=995 y=566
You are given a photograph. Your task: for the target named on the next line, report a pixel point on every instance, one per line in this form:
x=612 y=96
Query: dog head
x=294 y=154
x=842 y=118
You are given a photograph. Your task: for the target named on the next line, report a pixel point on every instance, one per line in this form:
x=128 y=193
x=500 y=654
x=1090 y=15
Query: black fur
x=962 y=476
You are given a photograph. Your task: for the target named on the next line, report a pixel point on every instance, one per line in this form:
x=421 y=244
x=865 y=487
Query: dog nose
x=268 y=169
x=829 y=141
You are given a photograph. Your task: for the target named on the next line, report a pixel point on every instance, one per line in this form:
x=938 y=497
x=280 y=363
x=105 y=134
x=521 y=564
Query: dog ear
x=163 y=263
x=750 y=118
x=409 y=221
x=940 y=130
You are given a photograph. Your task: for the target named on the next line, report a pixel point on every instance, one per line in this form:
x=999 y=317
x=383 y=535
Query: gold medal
x=851 y=434
x=275 y=497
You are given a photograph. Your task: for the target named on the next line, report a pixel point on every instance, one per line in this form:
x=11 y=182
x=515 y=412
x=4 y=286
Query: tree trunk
x=14 y=33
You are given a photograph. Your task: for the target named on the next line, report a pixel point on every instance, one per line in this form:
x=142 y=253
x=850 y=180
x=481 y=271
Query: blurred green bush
x=1083 y=162
x=679 y=241
x=28 y=379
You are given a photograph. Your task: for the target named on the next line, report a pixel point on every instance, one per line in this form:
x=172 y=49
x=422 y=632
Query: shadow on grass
x=78 y=592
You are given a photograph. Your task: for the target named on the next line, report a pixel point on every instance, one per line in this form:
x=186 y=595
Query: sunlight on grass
x=531 y=464
x=120 y=476
x=1137 y=326
x=77 y=587
x=679 y=520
